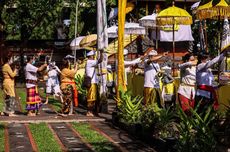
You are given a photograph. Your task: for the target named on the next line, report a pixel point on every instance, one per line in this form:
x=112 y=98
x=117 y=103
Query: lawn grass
x=99 y=143
x=1 y=100
x=44 y=138
x=2 y=138
x=52 y=101
x=21 y=92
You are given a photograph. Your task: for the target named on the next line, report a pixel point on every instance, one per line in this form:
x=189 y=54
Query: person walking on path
x=206 y=93
x=68 y=88
x=92 y=91
x=152 y=93
x=8 y=86
x=186 y=91
x=33 y=100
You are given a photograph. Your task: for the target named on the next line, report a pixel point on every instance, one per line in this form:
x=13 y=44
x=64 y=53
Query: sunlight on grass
x=21 y=92
x=1 y=100
x=2 y=137
x=44 y=138
x=52 y=101
x=99 y=143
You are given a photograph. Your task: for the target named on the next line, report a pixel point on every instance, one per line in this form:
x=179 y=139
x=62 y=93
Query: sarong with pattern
x=68 y=96
x=33 y=101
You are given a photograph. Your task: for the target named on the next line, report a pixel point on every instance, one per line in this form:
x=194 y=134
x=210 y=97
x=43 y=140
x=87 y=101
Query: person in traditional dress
x=152 y=93
x=129 y=64
x=206 y=93
x=52 y=83
x=8 y=86
x=68 y=88
x=33 y=100
x=167 y=82
x=186 y=91
x=92 y=91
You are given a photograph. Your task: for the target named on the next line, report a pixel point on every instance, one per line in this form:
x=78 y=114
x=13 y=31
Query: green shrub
x=129 y=108
x=196 y=132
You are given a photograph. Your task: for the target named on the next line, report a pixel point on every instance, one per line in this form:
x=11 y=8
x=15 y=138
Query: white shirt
x=91 y=70
x=53 y=76
x=127 y=65
x=151 y=79
x=31 y=74
x=188 y=77
x=204 y=75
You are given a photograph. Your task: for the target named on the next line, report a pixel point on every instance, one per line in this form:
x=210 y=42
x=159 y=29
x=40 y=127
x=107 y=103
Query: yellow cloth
x=80 y=72
x=92 y=94
x=8 y=82
x=224 y=97
x=152 y=95
x=67 y=75
x=169 y=88
x=110 y=77
x=121 y=31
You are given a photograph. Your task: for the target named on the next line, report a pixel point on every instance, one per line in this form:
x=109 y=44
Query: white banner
x=226 y=35
x=184 y=33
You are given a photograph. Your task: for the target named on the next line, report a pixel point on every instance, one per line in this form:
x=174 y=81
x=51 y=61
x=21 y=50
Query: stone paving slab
x=18 y=138
x=68 y=138
x=121 y=138
x=48 y=119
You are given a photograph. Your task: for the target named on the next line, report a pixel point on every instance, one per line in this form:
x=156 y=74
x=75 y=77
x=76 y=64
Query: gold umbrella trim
x=174 y=20
x=220 y=10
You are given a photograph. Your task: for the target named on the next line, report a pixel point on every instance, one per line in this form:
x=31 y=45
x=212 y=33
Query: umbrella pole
x=156 y=39
x=173 y=51
x=75 y=31
x=205 y=36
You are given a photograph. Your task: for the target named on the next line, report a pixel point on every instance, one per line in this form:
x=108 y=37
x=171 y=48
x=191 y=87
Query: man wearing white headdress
x=152 y=93
x=92 y=91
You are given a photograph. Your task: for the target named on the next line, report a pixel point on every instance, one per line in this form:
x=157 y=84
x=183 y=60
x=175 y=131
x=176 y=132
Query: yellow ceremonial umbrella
x=221 y=10
x=204 y=11
x=209 y=11
x=171 y=16
x=89 y=40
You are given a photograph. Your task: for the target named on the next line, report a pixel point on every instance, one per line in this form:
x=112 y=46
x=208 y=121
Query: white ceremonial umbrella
x=134 y=28
x=112 y=31
x=75 y=43
x=148 y=21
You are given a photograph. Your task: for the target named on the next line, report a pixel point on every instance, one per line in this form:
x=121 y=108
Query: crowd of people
x=196 y=82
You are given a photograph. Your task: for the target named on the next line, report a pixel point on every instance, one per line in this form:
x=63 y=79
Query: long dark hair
x=65 y=63
x=201 y=56
x=186 y=57
x=6 y=59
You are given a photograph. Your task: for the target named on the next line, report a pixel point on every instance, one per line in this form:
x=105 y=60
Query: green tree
x=31 y=19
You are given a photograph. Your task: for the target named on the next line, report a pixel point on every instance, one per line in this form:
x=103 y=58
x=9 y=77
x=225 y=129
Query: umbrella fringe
x=175 y=20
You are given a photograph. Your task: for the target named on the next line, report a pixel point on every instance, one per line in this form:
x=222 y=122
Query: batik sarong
x=68 y=96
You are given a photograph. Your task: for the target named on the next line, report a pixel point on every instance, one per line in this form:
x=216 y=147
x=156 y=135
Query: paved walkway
x=18 y=137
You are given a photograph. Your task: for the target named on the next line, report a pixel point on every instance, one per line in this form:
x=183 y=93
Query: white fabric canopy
x=184 y=33
x=148 y=21
x=112 y=31
x=134 y=28
x=75 y=43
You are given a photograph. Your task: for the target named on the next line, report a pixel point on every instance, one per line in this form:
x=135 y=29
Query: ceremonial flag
x=102 y=36
x=225 y=36
x=102 y=43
